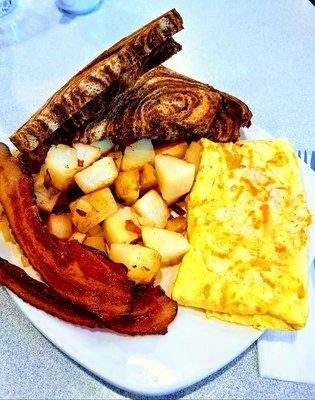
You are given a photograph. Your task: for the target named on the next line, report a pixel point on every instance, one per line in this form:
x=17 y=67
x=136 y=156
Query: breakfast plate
x=194 y=348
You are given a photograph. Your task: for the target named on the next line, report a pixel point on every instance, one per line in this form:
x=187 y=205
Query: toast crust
x=92 y=88
x=165 y=105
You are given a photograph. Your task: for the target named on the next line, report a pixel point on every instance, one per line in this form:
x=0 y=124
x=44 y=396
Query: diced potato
x=96 y=242
x=142 y=263
x=102 y=201
x=62 y=164
x=42 y=178
x=127 y=186
x=99 y=175
x=148 y=179
x=153 y=209
x=178 y=224
x=81 y=206
x=172 y=246
x=91 y=209
x=80 y=237
x=117 y=156
x=193 y=154
x=1 y=209
x=5 y=229
x=175 y=177
x=176 y=149
x=166 y=278
x=86 y=154
x=96 y=231
x=46 y=197
x=103 y=145
x=82 y=214
x=138 y=154
x=116 y=228
x=60 y=225
x=15 y=153
x=143 y=221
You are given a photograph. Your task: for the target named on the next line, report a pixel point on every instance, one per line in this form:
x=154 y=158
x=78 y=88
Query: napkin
x=290 y=356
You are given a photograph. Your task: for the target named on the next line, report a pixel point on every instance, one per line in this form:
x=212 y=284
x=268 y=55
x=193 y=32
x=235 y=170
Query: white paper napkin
x=290 y=356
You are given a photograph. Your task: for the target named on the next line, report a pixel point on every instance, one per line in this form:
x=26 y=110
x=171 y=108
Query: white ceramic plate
x=194 y=348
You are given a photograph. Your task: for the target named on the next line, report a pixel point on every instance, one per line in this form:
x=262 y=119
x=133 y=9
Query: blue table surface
x=260 y=51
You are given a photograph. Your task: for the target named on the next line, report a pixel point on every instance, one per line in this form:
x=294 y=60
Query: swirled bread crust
x=91 y=89
x=165 y=105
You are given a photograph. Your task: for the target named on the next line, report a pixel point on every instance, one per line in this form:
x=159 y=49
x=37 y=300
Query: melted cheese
x=247 y=226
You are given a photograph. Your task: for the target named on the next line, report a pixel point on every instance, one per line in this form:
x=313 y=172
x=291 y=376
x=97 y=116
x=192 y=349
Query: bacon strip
x=41 y=296
x=86 y=278
x=152 y=311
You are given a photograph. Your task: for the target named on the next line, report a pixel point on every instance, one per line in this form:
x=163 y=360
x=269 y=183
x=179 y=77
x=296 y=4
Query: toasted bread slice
x=93 y=88
x=165 y=105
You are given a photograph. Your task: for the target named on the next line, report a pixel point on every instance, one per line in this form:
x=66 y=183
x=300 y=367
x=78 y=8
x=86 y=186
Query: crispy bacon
x=41 y=296
x=152 y=311
x=86 y=278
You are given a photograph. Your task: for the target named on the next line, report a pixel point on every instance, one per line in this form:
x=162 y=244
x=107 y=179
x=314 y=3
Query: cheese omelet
x=247 y=228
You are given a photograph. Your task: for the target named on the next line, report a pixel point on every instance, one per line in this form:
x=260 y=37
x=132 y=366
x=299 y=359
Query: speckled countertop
x=261 y=51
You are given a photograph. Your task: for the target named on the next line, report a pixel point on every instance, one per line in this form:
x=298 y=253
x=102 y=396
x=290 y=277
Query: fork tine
x=299 y=153
x=313 y=160
x=305 y=156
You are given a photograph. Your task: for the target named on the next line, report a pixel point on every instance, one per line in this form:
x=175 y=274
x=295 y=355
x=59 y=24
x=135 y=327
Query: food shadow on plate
x=66 y=18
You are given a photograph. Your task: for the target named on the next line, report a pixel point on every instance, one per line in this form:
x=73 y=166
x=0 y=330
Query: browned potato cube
x=46 y=197
x=178 y=224
x=95 y=231
x=91 y=209
x=86 y=154
x=176 y=149
x=60 y=225
x=170 y=245
x=117 y=157
x=142 y=263
x=80 y=237
x=127 y=186
x=175 y=177
x=62 y=164
x=148 y=179
x=122 y=226
x=96 y=242
x=152 y=210
x=137 y=154
x=193 y=154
